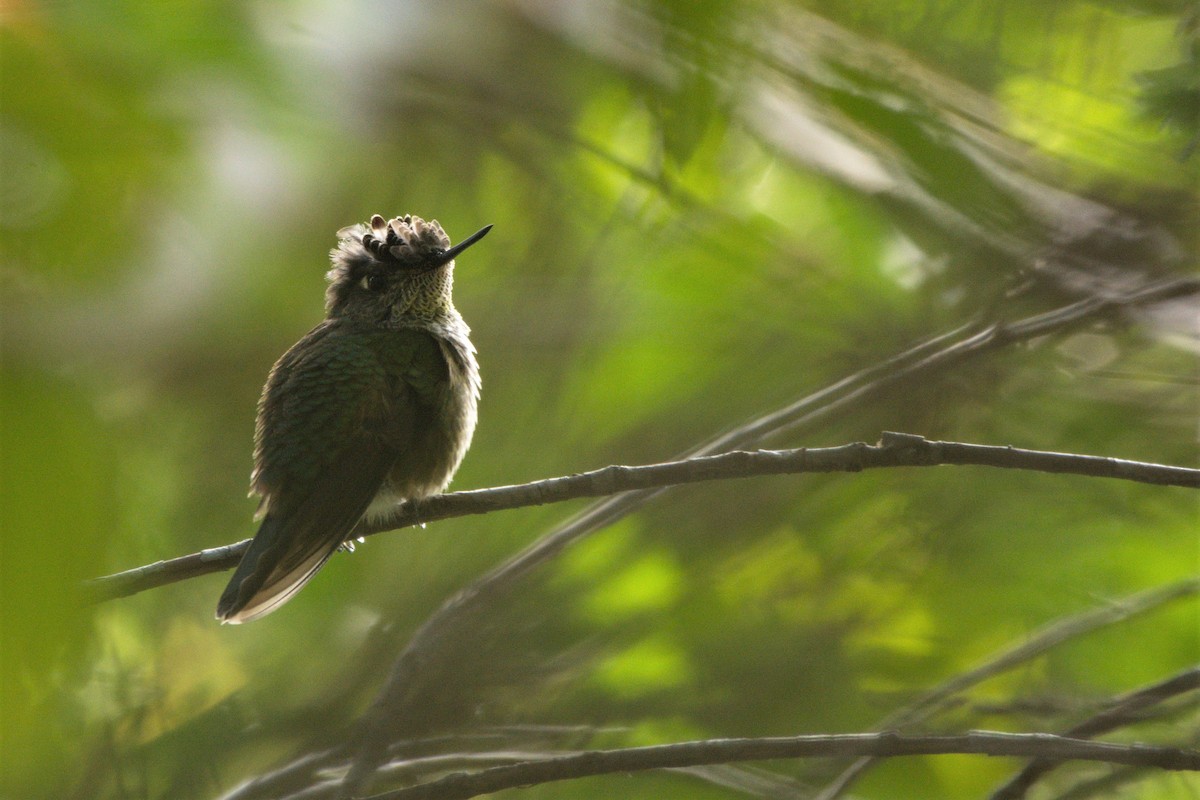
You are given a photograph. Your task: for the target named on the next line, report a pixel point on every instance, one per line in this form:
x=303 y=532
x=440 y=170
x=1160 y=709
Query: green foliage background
x=703 y=211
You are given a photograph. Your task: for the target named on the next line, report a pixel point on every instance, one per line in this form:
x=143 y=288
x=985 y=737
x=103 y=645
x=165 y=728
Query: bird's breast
x=442 y=424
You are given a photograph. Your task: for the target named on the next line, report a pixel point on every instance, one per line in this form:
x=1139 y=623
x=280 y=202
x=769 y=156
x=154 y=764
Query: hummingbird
x=375 y=405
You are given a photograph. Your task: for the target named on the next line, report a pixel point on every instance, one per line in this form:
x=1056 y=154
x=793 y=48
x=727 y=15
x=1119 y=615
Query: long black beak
x=448 y=256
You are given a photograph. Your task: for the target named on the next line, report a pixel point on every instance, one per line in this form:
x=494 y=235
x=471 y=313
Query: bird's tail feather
x=264 y=579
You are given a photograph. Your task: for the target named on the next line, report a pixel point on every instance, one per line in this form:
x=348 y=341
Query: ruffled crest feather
x=406 y=241
x=403 y=265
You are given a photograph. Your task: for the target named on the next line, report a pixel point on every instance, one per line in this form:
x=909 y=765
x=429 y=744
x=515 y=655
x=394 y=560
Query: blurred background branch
x=684 y=754
x=1122 y=711
x=941 y=697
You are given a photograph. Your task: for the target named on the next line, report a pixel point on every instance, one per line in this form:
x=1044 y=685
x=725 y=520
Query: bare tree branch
x=893 y=450
x=1041 y=641
x=1125 y=711
x=937 y=352
x=720 y=751
x=313 y=776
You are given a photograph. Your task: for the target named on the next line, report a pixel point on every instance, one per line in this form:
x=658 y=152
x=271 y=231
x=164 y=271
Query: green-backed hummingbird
x=375 y=405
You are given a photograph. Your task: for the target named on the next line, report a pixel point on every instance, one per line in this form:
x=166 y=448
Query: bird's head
x=386 y=271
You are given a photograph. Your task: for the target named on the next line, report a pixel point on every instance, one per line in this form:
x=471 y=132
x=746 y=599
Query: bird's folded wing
x=332 y=422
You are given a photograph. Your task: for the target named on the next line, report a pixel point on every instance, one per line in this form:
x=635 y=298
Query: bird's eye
x=373 y=283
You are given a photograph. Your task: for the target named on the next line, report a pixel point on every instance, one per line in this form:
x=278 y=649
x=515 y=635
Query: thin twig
x=1124 y=711
x=723 y=751
x=1041 y=641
